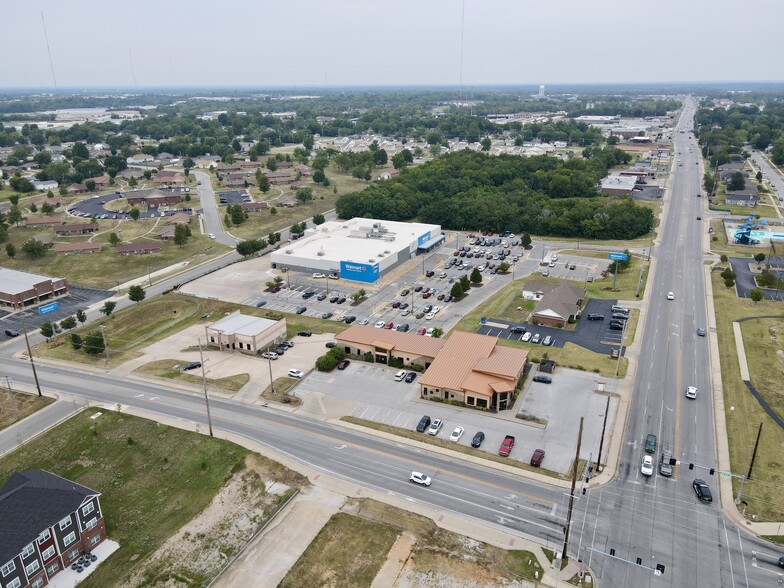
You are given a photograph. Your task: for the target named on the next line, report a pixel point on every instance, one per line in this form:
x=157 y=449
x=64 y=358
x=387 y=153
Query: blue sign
x=47 y=308
x=359 y=272
x=618 y=256
x=423 y=239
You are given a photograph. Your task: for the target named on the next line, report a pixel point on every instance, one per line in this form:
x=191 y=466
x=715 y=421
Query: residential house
x=153 y=198
x=473 y=369
x=284 y=164
x=388 y=174
x=75 y=229
x=741 y=199
x=205 y=161
x=41 y=200
x=45 y=185
x=385 y=345
x=303 y=170
x=139 y=158
x=164 y=157
x=557 y=304
x=239 y=182
x=124 y=249
x=299 y=184
x=44 y=240
x=280 y=177
x=77 y=248
x=48 y=523
x=254 y=206
x=180 y=218
x=101 y=182
x=248 y=334
x=43 y=221
x=77 y=189
x=131 y=172
x=167 y=234
x=168 y=178
x=286 y=202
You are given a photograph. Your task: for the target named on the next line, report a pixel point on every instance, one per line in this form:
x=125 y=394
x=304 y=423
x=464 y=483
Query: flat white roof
x=241 y=324
x=619 y=182
x=359 y=240
x=16 y=282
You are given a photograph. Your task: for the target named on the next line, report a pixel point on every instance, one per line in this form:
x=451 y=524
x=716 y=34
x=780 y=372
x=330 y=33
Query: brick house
x=101 y=182
x=168 y=178
x=48 y=522
x=153 y=198
x=74 y=229
x=124 y=249
x=77 y=248
x=254 y=206
x=557 y=304
x=43 y=221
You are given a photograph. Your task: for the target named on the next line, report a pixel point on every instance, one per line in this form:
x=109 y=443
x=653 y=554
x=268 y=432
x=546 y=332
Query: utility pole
x=604 y=428
x=30 y=355
x=13 y=398
x=754 y=453
x=272 y=384
x=105 y=347
x=571 y=492
x=204 y=382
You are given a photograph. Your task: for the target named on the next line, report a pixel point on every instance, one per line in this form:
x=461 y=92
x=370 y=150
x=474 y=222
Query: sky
x=316 y=43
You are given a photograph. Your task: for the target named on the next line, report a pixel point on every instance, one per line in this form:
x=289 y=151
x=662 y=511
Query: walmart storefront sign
x=423 y=239
x=359 y=272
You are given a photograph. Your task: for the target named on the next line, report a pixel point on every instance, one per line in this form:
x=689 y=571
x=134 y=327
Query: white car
x=364 y=322
x=333 y=277
x=319 y=276
x=646 y=469
x=526 y=337
x=269 y=355
x=406 y=312
x=400 y=375
x=691 y=392
x=436 y=309
x=429 y=332
x=456 y=434
x=420 y=478
x=212 y=235
x=429 y=316
x=435 y=426
x=296 y=374
x=554 y=257
x=670 y=296
x=380 y=324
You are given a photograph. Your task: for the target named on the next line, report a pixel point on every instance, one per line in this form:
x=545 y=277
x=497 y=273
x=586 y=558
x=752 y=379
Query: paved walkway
x=744 y=366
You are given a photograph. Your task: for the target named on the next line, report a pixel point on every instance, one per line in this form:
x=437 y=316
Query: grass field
x=152 y=478
x=504 y=305
x=151 y=320
x=16 y=405
x=171 y=369
x=281 y=387
x=765 y=492
x=348 y=552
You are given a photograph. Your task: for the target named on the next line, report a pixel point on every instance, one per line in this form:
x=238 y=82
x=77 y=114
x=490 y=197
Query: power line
x=48 y=50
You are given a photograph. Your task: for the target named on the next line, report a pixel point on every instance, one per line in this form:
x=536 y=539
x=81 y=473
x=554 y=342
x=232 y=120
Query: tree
x=81 y=316
x=272 y=165
x=93 y=343
x=756 y=295
x=486 y=143
x=236 y=214
x=729 y=282
x=14 y=215
x=250 y=247
x=457 y=291
x=724 y=258
x=33 y=248
x=262 y=181
x=90 y=185
x=273 y=210
x=476 y=276
x=14 y=199
x=136 y=293
x=319 y=176
x=46 y=208
x=47 y=330
x=399 y=161
x=108 y=307
x=318 y=219
x=134 y=213
x=132 y=182
x=305 y=195
x=114 y=239
x=76 y=341
x=21 y=184
x=437 y=332
x=503 y=267
x=737 y=182
x=728 y=274
x=759 y=176
x=10 y=250
x=759 y=257
x=80 y=150
x=33 y=207
x=181 y=234
x=380 y=157
x=68 y=322
x=464 y=284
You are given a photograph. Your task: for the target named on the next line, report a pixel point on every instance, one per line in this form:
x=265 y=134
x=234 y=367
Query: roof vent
x=289 y=251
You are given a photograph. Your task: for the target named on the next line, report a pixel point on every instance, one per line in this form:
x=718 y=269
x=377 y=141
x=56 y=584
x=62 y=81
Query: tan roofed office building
x=386 y=344
x=473 y=369
x=249 y=334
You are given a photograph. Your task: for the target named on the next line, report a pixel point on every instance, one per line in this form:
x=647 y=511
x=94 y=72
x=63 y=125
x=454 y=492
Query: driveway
x=593 y=335
x=744 y=277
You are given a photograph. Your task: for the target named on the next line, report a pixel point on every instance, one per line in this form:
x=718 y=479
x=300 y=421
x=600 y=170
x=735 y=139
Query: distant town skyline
x=312 y=43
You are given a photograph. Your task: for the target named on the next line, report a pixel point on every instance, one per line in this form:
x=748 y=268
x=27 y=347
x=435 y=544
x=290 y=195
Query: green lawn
x=16 y=406
x=172 y=369
x=765 y=492
x=152 y=478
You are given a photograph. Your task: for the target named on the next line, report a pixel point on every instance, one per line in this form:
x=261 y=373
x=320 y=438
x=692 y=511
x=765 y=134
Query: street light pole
x=272 y=384
x=204 y=383
x=30 y=355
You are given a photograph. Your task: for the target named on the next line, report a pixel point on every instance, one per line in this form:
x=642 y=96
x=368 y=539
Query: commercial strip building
x=248 y=334
x=21 y=289
x=385 y=345
x=618 y=185
x=48 y=522
x=359 y=249
x=473 y=369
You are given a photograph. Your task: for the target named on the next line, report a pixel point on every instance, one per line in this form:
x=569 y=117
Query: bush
x=368 y=357
x=417 y=368
x=395 y=362
x=330 y=360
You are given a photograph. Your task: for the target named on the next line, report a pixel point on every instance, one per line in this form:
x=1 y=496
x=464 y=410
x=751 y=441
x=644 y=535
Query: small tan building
x=473 y=369
x=386 y=344
x=249 y=334
x=557 y=304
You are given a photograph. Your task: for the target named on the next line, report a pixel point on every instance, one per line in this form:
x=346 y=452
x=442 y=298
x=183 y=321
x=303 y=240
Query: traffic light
x=712 y=471
x=660 y=568
x=673 y=461
x=691 y=466
x=583 y=491
x=639 y=561
x=612 y=552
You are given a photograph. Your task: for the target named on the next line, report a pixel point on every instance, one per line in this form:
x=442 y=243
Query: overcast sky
x=264 y=43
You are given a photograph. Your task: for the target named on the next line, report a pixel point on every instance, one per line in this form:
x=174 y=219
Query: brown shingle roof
x=388 y=339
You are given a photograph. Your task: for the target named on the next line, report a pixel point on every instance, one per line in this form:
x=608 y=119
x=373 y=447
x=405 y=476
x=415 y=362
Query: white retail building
x=360 y=249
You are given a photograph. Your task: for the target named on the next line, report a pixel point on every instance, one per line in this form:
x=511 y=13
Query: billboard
x=618 y=256
x=359 y=272
x=47 y=308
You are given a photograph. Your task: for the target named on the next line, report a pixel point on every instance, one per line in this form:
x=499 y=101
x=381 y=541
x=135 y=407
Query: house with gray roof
x=557 y=304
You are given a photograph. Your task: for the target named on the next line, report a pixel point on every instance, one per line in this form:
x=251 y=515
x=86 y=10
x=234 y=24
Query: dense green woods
x=475 y=191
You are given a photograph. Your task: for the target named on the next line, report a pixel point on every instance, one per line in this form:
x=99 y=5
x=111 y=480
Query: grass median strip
x=429 y=439
x=172 y=369
x=15 y=406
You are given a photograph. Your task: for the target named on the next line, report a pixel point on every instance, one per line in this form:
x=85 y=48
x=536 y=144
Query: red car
x=343 y=364
x=389 y=325
x=441 y=296
x=396 y=305
x=426 y=294
x=421 y=331
x=537 y=457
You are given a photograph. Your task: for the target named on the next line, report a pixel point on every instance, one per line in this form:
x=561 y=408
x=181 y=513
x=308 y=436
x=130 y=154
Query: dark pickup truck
x=506 y=446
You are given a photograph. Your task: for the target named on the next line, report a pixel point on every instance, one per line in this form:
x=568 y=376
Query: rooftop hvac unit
x=371 y=260
x=289 y=251
x=321 y=252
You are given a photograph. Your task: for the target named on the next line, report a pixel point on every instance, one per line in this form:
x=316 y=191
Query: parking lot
x=594 y=335
x=369 y=391
x=95 y=207
x=233 y=197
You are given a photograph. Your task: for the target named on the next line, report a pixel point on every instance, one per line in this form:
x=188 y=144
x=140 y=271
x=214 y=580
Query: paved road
x=209 y=205
x=658 y=519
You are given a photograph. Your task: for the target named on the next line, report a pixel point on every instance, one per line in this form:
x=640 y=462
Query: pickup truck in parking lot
x=506 y=446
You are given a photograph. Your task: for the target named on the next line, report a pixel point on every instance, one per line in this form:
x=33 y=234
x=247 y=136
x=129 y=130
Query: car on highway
x=702 y=490
x=650 y=443
x=527 y=337
x=293 y=373
x=269 y=355
x=699 y=218
x=543 y=379
x=343 y=364
x=701 y=332
x=593 y=316
x=691 y=392
x=410 y=377
x=420 y=478
x=665 y=467
x=478 y=438
x=435 y=427
x=670 y=296
x=646 y=468
x=191 y=365
x=537 y=457
x=11 y=333
x=212 y=236
x=456 y=434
